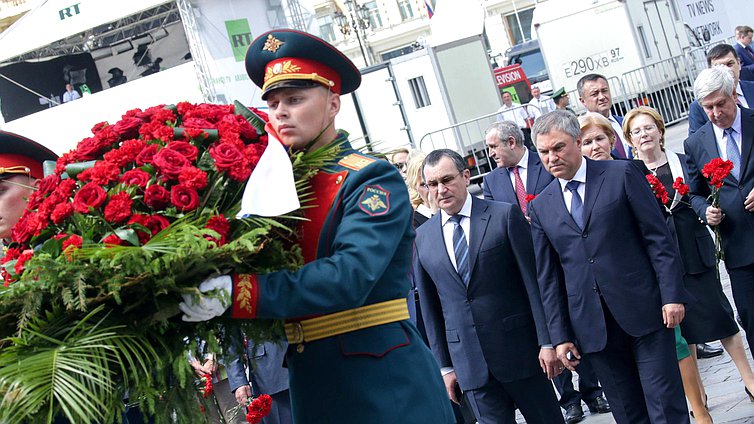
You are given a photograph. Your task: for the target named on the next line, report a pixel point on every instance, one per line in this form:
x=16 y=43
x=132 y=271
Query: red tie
x=520 y=190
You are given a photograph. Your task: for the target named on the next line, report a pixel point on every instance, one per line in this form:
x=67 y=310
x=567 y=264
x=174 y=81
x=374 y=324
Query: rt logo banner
x=69 y=11
x=239 y=35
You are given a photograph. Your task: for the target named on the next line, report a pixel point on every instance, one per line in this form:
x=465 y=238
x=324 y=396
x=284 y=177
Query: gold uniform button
x=300 y=348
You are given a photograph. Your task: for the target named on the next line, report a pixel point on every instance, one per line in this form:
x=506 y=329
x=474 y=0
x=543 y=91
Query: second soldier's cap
x=559 y=93
x=285 y=58
x=21 y=156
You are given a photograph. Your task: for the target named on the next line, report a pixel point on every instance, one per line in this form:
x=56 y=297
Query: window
x=419 y=92
x=404 y=6
x=515 y=33
x=375 y=20
x=643 y=39
x=326 y=29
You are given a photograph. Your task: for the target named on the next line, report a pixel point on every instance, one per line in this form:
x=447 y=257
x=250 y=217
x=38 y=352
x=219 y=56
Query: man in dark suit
x=723 y=54
x=594 y=94
x=744 y=34
x=267 y=375
x=519 y=172
x=729 y=135
x=481 y=304
x=610 y=275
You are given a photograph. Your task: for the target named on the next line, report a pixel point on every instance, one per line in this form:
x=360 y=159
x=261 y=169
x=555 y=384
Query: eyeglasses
x=648 y=129
x=432 y=185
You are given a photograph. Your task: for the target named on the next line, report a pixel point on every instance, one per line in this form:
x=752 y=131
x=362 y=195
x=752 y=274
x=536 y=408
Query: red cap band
x=296 y=68
x=14 y=161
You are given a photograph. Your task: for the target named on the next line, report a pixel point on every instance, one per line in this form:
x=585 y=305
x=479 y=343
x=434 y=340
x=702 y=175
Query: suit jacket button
x=595 y=289
x=740 y=187
x=584 y=234
x=591 y=260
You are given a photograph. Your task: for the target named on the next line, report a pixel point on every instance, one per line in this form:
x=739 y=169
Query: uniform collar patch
x=375 y=200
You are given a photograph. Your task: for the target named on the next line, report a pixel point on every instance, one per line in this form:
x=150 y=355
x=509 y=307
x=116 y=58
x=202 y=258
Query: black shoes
x=599 y=405
x=574 y=414
x=704 y=351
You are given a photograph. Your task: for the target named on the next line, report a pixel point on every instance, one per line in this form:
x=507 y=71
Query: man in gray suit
x=481 y=305
x=267 y=375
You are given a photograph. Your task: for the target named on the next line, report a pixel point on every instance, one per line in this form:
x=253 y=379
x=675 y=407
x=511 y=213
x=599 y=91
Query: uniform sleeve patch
x=355 y=161
x=375 y=200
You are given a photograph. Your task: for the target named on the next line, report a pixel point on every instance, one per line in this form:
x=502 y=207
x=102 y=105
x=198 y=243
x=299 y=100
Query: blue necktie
x=461 y=250
x=577 y=207
x=733 y=154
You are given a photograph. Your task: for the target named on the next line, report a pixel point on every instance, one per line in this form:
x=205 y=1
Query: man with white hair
x=729 y=135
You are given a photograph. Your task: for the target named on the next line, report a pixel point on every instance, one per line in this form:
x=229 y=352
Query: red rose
x=185 y=199
x=154 y=223
x=61 y=212
x=91 y=147
x=98 y=127
x=193 y=177
x=147 y=155
x=170 y=163
x=186 y=149
x=127 y=127
x=112 y=239
x=135 y=177
x=226 y=156
x=90 y=195
x=156 y=197
x=118 y=209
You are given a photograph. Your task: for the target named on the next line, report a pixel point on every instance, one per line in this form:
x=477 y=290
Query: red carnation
x=61 y=212
x=258 y=409
x=658 y=189
x=64 y=160
x=25 y=256
x=89 y=196
x=185 y=199
x=716 y=170
x=241 y=172
x=135 y=177
x=74 y=240
x=118 y=209
x=107 y=135
x=226 y=156
x=189 y=151
x=530 y=197
x=156 y=197
x=147 y=155
x=193 y=177
x=170 y=163
x=221 y=226
x=194 y=133
x=21 y=232
x=127 y=152
x=102 y=173
x=680 y=187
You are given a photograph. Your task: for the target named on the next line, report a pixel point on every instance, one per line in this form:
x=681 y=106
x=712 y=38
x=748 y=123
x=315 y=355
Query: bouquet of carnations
x=715 y=171
x=134 y=217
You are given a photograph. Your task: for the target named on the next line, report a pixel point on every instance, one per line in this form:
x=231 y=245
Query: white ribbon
x=271 y=190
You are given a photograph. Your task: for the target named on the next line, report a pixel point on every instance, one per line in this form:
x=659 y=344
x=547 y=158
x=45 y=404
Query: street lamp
x=356 y=20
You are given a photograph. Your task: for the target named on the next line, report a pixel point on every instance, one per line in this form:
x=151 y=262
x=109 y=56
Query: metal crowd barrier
x=467 y=138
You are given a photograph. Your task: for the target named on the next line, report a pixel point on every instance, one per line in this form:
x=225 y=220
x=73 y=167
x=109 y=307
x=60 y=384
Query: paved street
x=727 y=401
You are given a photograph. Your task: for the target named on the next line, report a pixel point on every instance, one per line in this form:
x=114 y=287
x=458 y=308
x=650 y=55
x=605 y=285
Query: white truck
x=638 y=45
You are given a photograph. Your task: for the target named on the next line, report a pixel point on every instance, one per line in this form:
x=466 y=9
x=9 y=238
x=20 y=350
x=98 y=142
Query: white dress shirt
x=544 y=104
x=722 y=139
x=580 y=176
x=448 y=228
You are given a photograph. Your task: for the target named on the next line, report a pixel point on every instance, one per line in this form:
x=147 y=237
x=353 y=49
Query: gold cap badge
x=272 y=44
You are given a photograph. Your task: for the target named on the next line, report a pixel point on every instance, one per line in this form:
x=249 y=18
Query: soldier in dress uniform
x=20 y=171
x=354 y=356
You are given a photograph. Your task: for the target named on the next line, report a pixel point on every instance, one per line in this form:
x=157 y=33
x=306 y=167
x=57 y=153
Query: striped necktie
x=461 y=250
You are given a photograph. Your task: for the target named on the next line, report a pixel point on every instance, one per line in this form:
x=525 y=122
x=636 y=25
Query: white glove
x=204 y=308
